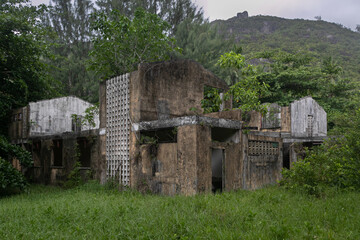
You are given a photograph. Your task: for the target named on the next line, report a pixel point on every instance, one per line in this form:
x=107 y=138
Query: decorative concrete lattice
x=118 y=128
x=257 y=148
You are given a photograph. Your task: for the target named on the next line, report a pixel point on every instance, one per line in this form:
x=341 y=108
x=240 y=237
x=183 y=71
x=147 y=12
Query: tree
x=23 y=78
x=23 y=75
x=122 y=43
x=293 y=76
x=247 y=91
x=70 y=21
x=171 y=11
x=358 y=28
x=203 y=43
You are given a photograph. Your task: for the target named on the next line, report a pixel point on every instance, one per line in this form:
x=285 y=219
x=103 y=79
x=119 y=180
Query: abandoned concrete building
x=48 y=130
x=150 y=137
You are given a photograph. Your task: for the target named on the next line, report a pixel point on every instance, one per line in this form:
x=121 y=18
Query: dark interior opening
x=217 y=159
x=286 y=156
x=58 y=153
x=165 y=135
x=85 y=152
x=223 y=134
x=36 y=151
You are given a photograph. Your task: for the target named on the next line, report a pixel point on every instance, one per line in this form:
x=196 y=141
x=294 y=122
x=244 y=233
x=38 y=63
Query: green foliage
x=9 y=151
x=89 y=119
x=245 y=92
x=203 y=43
x=23 y=75
x=122 y=43
x=69 y=22
x=74 y=178
x=172 y=11
x=93 y=212
x=211 y=101
x=322 y=39
x=336 y=163
x=11 y=180
x=293 y=76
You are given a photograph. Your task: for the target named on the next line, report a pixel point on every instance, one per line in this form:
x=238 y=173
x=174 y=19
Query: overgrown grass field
x=92 y=212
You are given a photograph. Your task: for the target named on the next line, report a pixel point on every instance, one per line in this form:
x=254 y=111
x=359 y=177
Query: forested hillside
x=322 y=39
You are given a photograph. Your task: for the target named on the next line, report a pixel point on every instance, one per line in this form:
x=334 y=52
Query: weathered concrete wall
x=101 y=171
x=308 y=118
x=46 y=172
x=169 y=89
x=285 y=119
x=53 y=116
x=263 y=163
x=233 y=164
x=232 y=114
x=272 y=119
x=18 y=128
x=175 y=168
x=203 y=158
x=187 y=159
x=255 y=120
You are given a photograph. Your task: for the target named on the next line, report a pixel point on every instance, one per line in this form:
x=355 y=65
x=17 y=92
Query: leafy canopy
x=23 y=75
x=245 y=92
x=123 y=43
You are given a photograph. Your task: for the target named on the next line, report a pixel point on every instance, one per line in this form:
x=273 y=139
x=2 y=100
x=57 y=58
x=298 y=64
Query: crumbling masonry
x=153 y=137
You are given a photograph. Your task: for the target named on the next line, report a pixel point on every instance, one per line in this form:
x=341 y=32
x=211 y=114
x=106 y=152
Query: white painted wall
x=300 y=110
x=53 y=116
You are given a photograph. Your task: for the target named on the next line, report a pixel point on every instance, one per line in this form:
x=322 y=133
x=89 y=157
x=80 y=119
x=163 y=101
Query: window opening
x=286 y=155
x=57 y=153
x=309 y=129
x=84 y=148
x=36 y=149
x=224 y=135
x=166 y=135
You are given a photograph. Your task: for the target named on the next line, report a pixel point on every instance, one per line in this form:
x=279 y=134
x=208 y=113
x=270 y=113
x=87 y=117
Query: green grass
x=91 y=212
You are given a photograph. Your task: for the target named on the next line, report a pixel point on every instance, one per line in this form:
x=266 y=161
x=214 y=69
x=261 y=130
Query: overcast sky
x=345 y=12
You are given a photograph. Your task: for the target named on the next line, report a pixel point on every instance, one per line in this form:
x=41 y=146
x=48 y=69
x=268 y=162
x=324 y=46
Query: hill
x=321 y=38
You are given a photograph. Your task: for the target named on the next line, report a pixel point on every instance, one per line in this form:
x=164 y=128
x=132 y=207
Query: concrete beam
x=188 y=120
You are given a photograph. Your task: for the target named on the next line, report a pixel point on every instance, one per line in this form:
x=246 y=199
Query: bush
x=8 y=151
x=11 y=180
x=336 y=163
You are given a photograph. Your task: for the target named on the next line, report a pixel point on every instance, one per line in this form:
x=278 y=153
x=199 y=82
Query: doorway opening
x=217 y=169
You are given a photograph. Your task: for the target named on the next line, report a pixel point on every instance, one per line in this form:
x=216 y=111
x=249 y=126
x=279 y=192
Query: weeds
x=91 y=211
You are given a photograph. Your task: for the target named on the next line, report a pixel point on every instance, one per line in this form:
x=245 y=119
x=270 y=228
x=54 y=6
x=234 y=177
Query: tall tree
x=23 y=75
x=202 y=42
x=122 y=43
x=171 y=11
x=70 y=20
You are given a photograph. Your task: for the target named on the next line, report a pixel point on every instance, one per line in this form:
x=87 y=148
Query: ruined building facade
x=56 y=139
x=152 y=135
x=152 y=139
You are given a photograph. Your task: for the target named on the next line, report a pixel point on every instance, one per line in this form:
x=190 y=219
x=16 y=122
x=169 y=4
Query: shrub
x=8 y=151
x=336 y=163
x=11 y=180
